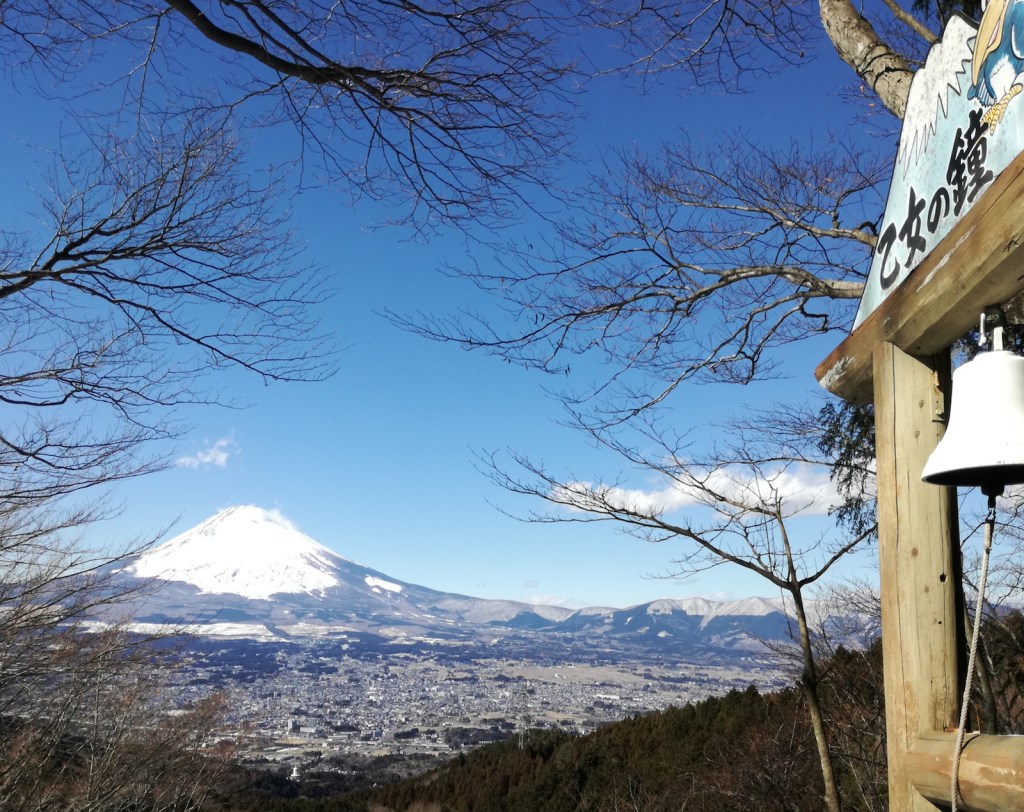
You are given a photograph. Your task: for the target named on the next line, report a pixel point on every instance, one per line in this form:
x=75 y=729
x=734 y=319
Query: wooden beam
x=990 y=771
x=918 y=554
x=979 y=263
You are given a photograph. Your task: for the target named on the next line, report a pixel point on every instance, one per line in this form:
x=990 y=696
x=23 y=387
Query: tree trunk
x=809 y=686
x=860 y=47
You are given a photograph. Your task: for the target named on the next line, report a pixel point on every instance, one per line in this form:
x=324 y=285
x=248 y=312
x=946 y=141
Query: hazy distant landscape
x=374 y=700
x=330 y=654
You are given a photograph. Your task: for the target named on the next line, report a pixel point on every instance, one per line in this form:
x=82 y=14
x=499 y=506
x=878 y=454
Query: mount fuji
x=251 y=565
x=244 y=551
x=249 y=572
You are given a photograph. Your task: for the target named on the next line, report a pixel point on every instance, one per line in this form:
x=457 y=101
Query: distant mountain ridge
x=248 y=572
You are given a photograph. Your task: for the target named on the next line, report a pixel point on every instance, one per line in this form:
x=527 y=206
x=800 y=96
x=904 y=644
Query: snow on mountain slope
x=698 y=607
x=750 y=606
x=745 y=607
x=380 y=583
x=245 y=551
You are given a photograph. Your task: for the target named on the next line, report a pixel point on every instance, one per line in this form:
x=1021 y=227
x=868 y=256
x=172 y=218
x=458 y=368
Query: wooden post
x=918 y=557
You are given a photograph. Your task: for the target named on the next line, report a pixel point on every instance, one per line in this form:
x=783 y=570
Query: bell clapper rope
x=990 y=522
x=990 y=332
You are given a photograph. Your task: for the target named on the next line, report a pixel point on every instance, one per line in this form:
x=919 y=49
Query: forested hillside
x=719 y=754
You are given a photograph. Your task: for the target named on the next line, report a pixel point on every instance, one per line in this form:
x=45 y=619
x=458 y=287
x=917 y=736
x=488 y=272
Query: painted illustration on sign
x=963 y=126
x=997 y=61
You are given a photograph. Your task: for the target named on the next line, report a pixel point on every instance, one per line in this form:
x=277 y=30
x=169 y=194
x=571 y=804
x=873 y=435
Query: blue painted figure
x=998 y=58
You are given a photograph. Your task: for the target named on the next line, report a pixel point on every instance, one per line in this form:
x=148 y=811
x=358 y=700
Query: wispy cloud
x=549 y=599
x=216 y=454
x=801 y=489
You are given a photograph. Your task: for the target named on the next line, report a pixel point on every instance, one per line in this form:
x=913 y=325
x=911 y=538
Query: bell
x=984 y=442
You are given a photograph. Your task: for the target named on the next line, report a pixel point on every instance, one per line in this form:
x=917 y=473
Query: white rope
x=965 y=705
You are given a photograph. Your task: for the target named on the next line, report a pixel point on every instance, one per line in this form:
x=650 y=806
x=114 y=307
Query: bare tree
x=684 y=266
x=82 y=718
x=155 y=262
x=719 y=44
x=697 y=264
x=159 y=258
x=741 y=507
x=96 y=739
x=767 y=770
x=997 y=699
x=849 y=646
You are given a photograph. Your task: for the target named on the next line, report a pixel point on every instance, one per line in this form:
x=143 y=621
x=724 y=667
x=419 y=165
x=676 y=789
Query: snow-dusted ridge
x=257 y=553
x=249 y=572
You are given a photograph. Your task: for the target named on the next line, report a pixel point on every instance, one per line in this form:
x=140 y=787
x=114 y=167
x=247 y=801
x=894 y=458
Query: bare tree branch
x=81 y=718
x=695 y=266
x=714 y=44
x=162 y=264
x=445 y=107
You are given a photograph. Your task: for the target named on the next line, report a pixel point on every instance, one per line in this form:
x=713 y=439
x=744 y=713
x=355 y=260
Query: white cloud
x=215 y=454
x=802 y=489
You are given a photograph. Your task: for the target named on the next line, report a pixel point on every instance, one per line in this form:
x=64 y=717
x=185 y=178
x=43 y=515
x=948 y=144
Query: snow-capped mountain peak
x=243 y=550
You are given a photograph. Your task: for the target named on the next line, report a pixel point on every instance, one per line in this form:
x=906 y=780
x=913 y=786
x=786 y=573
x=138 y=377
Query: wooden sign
x=964 y=125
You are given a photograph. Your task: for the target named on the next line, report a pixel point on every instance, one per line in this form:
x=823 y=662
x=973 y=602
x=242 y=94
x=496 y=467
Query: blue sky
x=378 y=462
